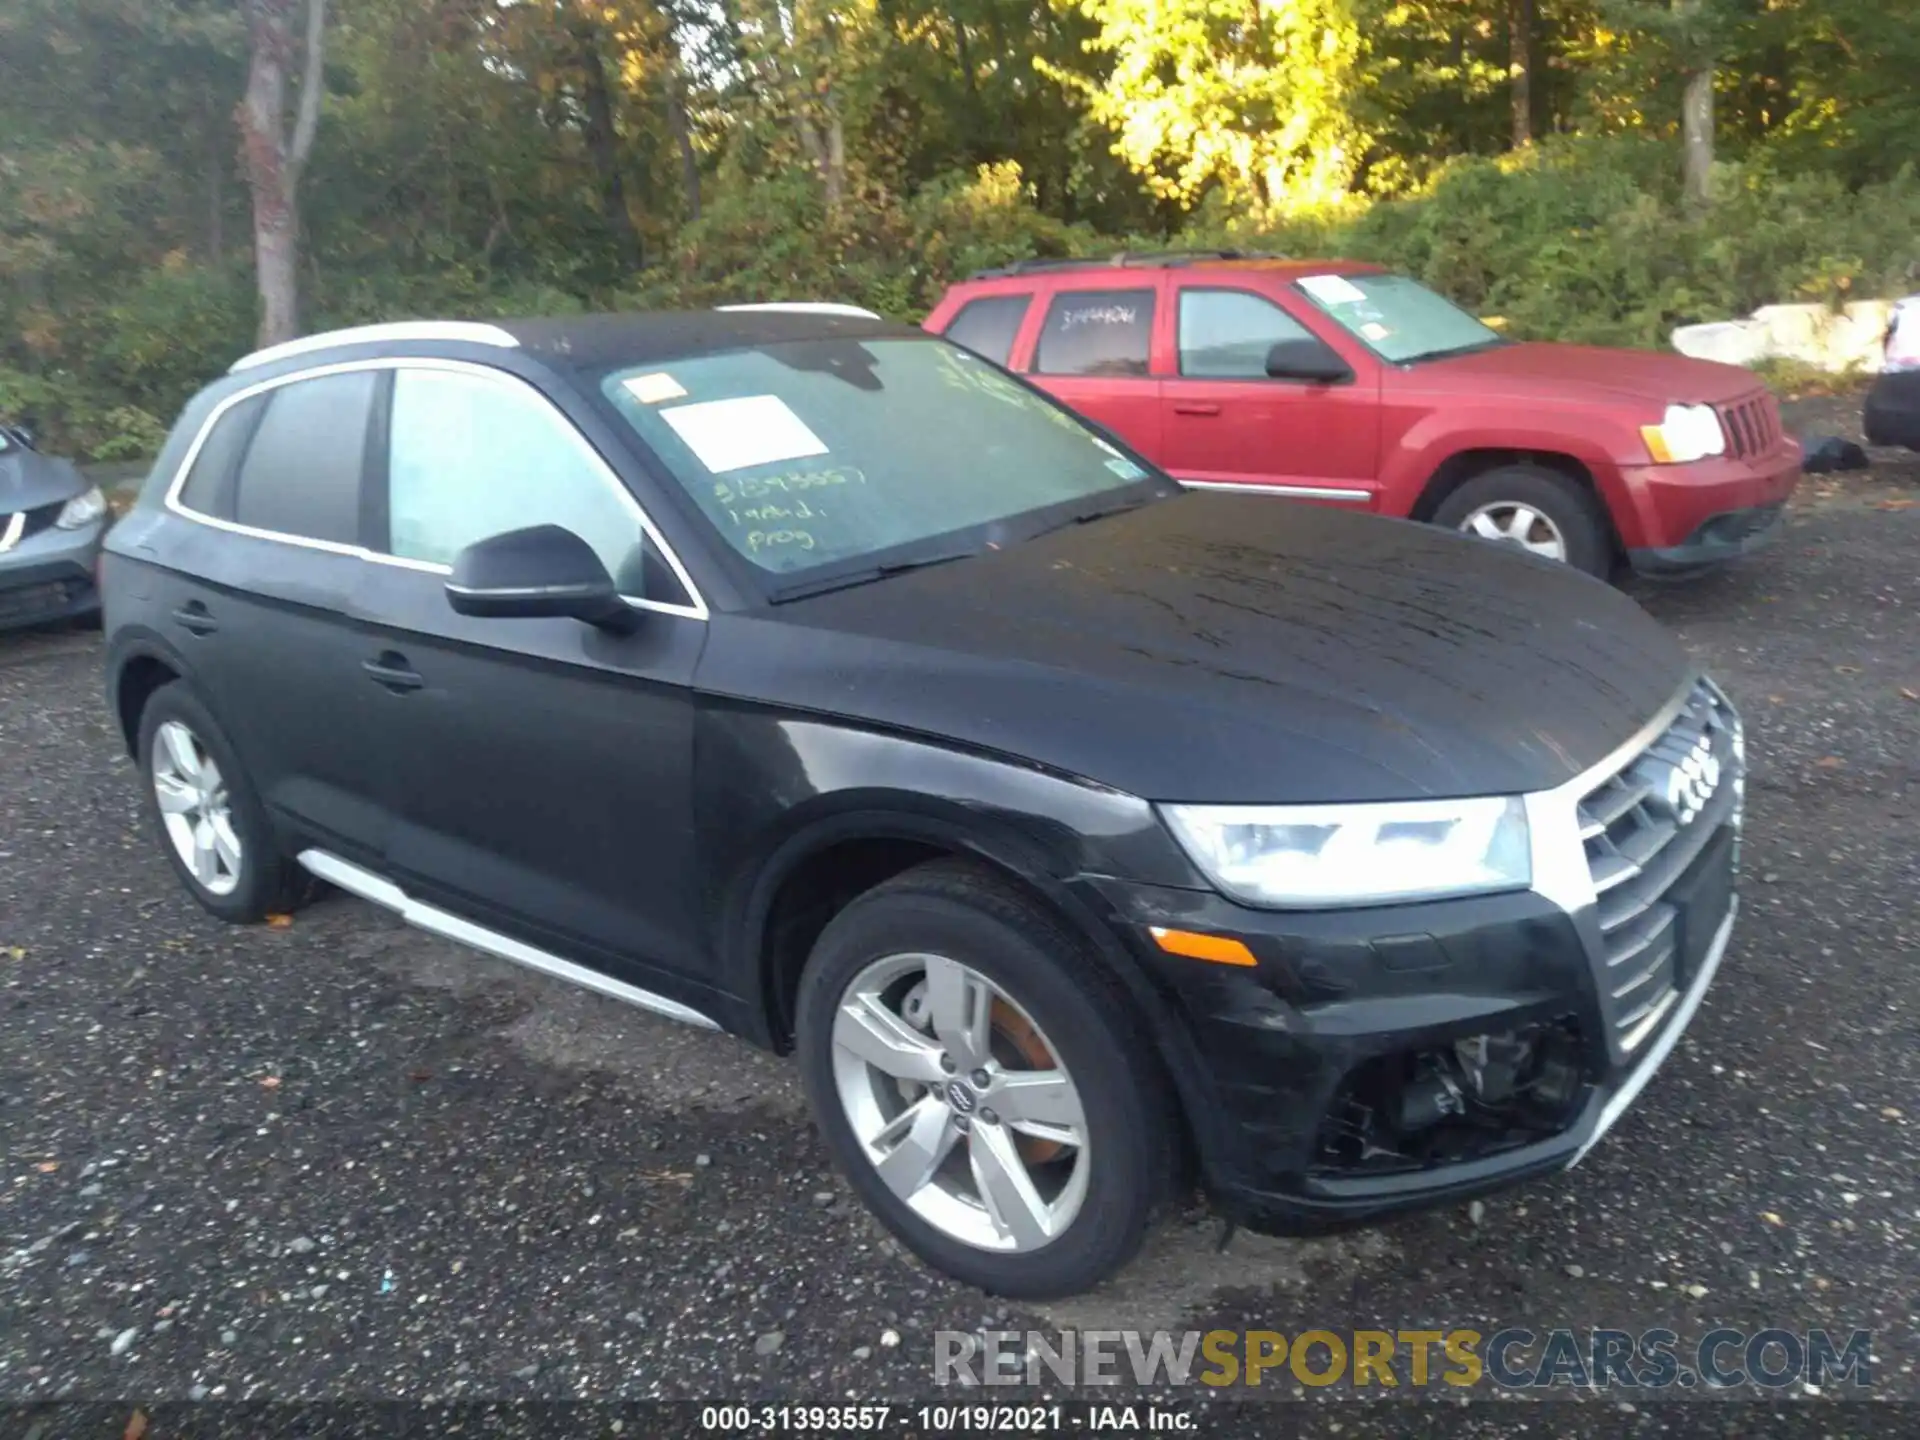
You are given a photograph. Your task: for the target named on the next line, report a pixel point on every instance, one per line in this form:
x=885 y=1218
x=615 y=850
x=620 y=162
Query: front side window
x=814 y=454
x=1096 y=332
x=1226 y=334
x=471 y=457
x=988 y=326
x=301 y=475
x=1400 y=320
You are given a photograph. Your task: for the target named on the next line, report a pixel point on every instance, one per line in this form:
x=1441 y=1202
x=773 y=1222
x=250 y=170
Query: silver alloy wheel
x=1516 y=524
x=936 y=1071
x=195 y=808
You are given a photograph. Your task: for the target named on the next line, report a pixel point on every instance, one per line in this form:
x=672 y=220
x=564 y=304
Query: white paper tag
x=1332 y=289
x=1374 y=330
x=752 y=430
x=655 y=388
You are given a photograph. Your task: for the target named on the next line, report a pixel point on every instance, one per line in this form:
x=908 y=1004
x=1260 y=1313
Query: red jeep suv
x=1343 y=383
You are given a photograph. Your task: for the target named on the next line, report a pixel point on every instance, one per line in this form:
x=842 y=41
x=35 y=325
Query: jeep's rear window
x=987 y=326
x=812 y=454
x=1096 y=332
x=1400 y=320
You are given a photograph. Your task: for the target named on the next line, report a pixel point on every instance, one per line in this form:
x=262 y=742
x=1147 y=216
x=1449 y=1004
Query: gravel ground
x=345 y=1160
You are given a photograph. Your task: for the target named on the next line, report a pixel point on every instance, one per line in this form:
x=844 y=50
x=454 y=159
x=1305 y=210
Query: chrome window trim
x=463 y=331
x=695 y=611
x=805 y=307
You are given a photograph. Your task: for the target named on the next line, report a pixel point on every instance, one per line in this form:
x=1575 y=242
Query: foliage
x=872 y=150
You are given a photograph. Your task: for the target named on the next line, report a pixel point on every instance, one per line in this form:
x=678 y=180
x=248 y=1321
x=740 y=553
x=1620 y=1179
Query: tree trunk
x=1522 y=20
x=604 y=149
x=682 y=129
x=836 y=168
x=275 y=159
x=1696 y=133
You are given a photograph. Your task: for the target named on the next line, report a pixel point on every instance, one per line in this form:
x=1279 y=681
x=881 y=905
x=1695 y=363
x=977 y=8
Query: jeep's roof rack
x=1142 y=259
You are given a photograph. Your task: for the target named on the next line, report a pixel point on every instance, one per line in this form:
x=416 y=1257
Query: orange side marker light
x=1216 y=948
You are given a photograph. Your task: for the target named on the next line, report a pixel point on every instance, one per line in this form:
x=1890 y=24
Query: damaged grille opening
x=1447 y=1104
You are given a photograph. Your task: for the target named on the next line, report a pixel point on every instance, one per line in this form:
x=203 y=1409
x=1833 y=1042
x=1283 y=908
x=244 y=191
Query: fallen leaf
x=1829 y=762
x=1776 y=700
x=1896 y=505
x=1890 y=1112
x=16 y=952
x=269 y=1082
x=47 y=1167
x=1910 y=694
x=1771 y=1218
x=136 y=1426
x=279 y=922
x=1846 y=669
x=420 y=1077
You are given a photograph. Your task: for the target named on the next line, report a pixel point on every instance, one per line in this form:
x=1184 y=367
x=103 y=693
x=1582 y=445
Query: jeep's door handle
x=1195 y=407
x=391 y=672
x=193 y=616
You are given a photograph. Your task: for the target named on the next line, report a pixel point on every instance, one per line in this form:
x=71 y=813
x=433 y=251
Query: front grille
x=1643 y=828
x=21 y=524
x=1752 y=425
x=51 y=597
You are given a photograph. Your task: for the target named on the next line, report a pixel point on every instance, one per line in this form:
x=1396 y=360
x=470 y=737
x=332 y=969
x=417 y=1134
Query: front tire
x=1535 y=509
x=211 y=824
x=984 y=1084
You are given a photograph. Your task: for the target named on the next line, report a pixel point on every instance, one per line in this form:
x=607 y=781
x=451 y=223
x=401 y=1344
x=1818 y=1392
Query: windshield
x=1400 y=320
x=814 y=457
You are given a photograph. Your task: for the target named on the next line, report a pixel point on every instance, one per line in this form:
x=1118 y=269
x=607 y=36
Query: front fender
x=1596 y=441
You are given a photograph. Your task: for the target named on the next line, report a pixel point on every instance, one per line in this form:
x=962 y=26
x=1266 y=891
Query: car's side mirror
x=543 y=571
x=1307 y=359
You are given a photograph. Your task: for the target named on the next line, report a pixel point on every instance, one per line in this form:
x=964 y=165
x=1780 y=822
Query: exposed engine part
x=1474 y=1097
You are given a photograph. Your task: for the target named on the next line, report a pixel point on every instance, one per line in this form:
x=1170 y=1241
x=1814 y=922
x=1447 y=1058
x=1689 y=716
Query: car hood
x=1567 y=370
x=1232 y=648
x=29 y=480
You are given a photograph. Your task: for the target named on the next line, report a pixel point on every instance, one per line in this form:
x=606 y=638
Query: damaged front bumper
x=1379 y=1060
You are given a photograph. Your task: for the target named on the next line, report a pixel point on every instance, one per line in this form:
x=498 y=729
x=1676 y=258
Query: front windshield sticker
x=734 y=434
x=654 y=389
x=1374 y=330
x=1332 y=289
x=1126 y=469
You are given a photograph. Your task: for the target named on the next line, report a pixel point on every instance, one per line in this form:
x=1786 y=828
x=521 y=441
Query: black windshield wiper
x=1096 y=512
x=849 y=578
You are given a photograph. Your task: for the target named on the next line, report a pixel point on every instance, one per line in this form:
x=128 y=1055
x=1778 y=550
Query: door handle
x=391 y=672
x=193 y=617
x=1195 y=407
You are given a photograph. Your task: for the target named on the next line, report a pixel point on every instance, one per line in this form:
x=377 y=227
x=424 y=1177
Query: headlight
x=1319 y=856
x=1685 y=434
x=81 y=510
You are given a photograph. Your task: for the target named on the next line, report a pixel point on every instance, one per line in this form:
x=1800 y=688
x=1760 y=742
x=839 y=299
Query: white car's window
x=471 y=458
x=1226 y=334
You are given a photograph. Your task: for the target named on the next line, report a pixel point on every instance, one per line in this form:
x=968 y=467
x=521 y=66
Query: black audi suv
x=808 y=677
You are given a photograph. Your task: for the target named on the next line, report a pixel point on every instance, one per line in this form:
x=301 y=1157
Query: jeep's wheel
x=1534 y=509
x=983 y=1085
x=209 y=818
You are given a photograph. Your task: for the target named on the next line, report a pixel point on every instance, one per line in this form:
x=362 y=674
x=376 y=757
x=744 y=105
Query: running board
x=389 y=896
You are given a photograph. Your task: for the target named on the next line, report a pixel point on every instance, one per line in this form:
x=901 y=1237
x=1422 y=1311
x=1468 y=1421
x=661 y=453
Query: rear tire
x=1017 y=1206
x=215 y=834
x=1495 y=506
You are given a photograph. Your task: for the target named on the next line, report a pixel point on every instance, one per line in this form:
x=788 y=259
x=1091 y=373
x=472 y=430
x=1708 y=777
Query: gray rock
x=770 y=1342
x=198 y=1392
x=703 y=1161
x=78 y=1258
x=863 y=1352
x=123 y=1342
x=300 y=1245
x=528 y=1372
x=229 y=1337
x=1574 y=1272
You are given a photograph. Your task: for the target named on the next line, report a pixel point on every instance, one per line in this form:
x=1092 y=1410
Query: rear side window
x=1226 y=334
x=1096 y=332
x=987 y=326
x=301 y=475
x=209 y=486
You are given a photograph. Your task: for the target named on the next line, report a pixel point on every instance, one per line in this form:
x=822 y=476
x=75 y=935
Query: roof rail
x=1143 y=259
x=461 y=330
x=807 y=307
